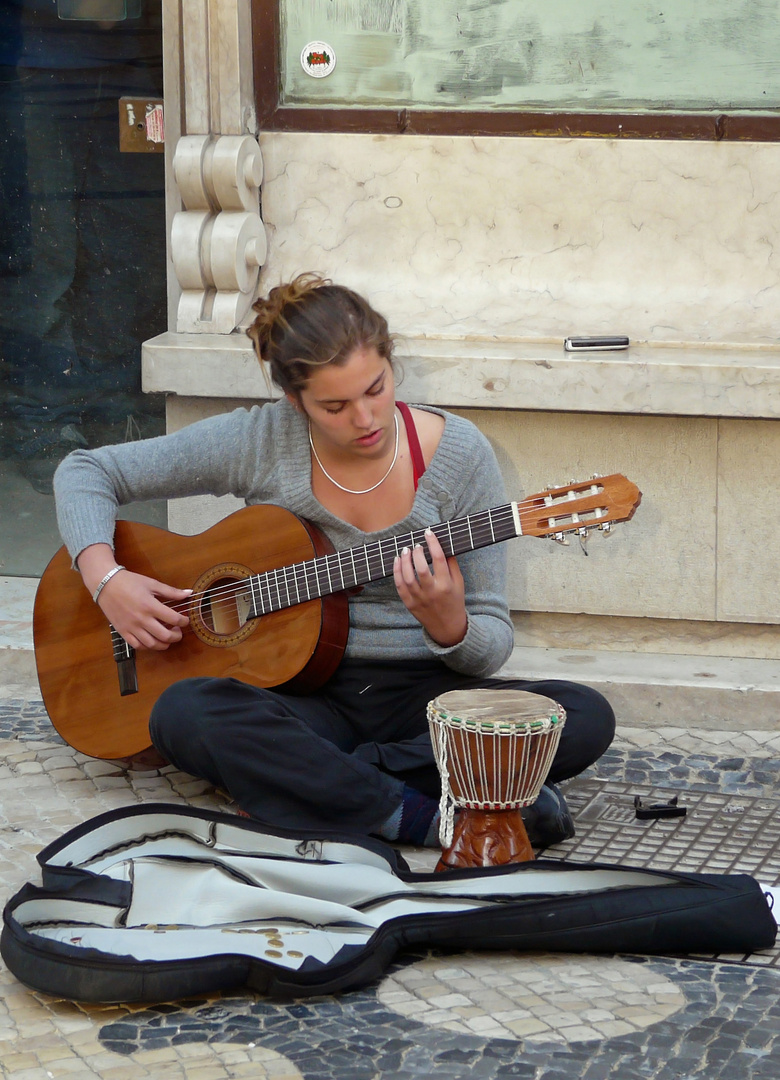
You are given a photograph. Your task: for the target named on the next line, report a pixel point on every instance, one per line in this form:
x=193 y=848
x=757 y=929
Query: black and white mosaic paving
x=486 y=1015
x=727 y=1025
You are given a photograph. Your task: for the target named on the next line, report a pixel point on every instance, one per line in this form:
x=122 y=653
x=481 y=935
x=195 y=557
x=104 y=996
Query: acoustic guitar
x=269 y=605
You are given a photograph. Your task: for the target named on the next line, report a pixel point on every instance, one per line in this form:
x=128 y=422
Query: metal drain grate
x=720 y=834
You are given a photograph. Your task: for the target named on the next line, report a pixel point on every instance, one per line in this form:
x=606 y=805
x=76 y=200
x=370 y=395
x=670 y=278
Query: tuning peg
x=606 y=527
x=583 y=535
x=561 y=538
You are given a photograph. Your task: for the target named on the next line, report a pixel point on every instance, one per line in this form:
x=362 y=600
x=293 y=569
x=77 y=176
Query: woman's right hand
x=134 y=604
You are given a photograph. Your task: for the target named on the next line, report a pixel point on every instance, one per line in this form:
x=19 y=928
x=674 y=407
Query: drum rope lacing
x=504 y=753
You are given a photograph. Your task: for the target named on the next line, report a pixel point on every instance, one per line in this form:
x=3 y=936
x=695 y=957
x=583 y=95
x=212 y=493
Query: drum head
x=500 y=706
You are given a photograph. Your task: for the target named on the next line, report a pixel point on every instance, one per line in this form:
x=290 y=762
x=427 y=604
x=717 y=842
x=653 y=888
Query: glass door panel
x=82 y=251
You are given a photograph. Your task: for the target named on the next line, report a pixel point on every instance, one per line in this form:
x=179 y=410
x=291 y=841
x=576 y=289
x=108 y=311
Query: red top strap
x=418 y=461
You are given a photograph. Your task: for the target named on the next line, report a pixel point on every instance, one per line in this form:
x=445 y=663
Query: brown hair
x=310 y=322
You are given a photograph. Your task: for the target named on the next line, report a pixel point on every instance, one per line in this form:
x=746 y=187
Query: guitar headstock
x=579 y=507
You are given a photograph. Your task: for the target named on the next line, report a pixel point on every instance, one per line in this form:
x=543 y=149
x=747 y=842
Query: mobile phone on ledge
x=596 y=344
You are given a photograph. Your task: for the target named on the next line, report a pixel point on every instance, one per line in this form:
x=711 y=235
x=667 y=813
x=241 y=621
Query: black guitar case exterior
x=155 y=903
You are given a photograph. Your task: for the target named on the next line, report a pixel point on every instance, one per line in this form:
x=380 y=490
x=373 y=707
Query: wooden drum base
x=487 y=838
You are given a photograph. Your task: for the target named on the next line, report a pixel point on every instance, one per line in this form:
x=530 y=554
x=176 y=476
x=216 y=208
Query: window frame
x=272 y=116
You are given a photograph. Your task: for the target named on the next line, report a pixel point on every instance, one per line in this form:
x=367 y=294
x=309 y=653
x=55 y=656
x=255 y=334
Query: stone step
x=718 y=692
x=17 y=663
x=653 y=689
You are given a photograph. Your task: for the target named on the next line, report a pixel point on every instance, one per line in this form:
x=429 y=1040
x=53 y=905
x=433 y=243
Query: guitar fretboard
x=326 y=574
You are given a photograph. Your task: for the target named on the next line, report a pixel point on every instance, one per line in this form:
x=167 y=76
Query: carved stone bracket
x=218 y=240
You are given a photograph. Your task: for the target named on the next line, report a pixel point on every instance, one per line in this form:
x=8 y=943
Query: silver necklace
x=351 y=491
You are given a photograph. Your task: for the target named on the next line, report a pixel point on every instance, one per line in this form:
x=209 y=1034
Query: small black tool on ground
x=658 y=810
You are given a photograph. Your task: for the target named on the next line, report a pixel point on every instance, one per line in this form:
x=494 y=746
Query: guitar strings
x=480 y=526
x=336 y=562
x=375 y=552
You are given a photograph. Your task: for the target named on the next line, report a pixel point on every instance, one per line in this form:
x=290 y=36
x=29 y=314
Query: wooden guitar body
x=77 y=669
x=269 y=605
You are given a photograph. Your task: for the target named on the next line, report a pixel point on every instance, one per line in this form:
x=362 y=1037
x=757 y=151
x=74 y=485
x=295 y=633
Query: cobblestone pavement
x=486 y=1015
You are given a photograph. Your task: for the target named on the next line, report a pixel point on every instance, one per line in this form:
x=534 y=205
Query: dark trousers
x=339 y=758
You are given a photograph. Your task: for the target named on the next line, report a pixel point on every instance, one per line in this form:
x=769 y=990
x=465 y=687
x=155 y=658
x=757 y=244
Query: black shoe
x=548 y=821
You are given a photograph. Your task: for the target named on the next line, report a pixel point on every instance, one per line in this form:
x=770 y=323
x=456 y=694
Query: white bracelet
x=105 y=582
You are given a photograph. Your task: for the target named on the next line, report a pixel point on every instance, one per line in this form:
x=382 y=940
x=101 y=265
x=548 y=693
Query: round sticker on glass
x=318 y=59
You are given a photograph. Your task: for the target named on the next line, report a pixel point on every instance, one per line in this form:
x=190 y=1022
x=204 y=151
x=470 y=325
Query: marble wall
x=535 y=238
x=701 y=550
x=473 y=247
x=484 y=253
x=701 y=547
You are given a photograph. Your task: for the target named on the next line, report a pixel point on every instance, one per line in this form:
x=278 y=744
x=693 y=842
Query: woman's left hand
x=434 y=594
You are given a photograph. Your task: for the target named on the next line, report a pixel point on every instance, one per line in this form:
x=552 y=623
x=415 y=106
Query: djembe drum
x=493 y=749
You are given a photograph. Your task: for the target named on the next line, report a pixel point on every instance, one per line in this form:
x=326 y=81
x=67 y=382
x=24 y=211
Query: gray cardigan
x=261 y=455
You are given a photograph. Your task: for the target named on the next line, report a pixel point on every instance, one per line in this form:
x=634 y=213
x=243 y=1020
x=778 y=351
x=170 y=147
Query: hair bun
x=310 y=322
x=270 y=310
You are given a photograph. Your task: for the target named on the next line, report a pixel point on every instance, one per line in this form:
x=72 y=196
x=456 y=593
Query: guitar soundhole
x=224 y=602
x=224 y=609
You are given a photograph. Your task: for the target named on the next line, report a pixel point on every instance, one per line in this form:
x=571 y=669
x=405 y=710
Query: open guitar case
x=154 y=903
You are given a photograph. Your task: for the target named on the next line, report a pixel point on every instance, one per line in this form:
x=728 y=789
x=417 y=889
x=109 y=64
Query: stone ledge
x=654 y=690
x=646 y=689
x=680 y=380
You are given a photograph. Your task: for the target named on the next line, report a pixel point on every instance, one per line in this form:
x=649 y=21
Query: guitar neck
x=576 y=506
x=310 y=580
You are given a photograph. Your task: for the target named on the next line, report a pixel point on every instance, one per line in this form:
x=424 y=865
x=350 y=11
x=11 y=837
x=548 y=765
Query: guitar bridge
x=124 y=657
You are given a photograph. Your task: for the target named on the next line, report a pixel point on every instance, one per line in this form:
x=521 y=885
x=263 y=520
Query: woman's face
x=351 y=406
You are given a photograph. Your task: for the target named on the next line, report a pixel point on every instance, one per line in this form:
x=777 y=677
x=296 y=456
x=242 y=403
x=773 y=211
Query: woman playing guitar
x=340 y=451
